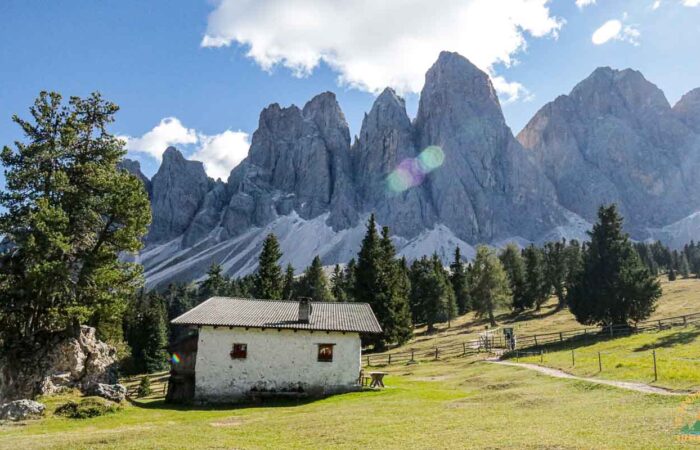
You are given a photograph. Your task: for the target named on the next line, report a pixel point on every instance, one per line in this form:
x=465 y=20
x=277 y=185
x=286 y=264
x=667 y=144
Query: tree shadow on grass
x=161 y=404
x=682 y=338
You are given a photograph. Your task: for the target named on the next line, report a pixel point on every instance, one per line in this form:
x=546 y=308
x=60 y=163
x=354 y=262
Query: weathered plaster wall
x=277 y=361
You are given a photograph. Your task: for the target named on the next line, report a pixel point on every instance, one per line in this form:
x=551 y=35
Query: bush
x=144 y=387
x=85 y=409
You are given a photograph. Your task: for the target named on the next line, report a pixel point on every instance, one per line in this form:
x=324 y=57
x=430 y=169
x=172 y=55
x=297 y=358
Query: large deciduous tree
x=613 y=286
x=70 y=212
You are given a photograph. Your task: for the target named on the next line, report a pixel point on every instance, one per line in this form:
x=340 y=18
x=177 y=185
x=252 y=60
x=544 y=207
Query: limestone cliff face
x=488 y=187
x=178 y=190
x=615 y=138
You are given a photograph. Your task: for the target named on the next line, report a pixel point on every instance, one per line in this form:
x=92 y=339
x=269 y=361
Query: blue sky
x=205 y=69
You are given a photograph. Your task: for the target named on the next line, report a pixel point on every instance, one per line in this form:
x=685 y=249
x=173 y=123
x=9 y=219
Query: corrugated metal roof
x=240 y=312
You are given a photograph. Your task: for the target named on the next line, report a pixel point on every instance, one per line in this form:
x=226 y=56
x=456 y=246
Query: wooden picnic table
x=377 y=379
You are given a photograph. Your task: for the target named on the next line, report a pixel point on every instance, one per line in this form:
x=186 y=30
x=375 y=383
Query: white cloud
x=222 y=152
x=615 y=30
x=656 y=5
x=373 y=44
x=511 y=90
x=583 y=3
x=168 y=132
x=691 y=3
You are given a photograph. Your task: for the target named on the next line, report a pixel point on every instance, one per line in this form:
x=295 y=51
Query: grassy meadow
x=454 y=402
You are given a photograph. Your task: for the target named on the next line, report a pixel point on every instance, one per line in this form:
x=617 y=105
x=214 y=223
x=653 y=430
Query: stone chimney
x=305 y=309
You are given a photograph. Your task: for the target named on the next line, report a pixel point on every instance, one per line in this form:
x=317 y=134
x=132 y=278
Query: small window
x=240 y=351
x=325 y=352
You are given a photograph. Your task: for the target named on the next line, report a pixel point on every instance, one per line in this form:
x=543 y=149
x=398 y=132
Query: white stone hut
x=248 y=349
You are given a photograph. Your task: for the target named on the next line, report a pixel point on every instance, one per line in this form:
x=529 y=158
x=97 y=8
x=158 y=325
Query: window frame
x=239 y=350
x=321 y=348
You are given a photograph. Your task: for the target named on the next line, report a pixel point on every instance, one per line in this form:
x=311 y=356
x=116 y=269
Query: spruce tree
x=216 y=284
x=69 y=212
x=146 y=333
x=425 y=298
x=288 y=285
x=556 y=270
x=268 y=279
x=684 y=266
x=460 y=285
x=338 y=284
x=671 y=274
x=614 y=286
x=489 y=284
x=515 y=270
x=536 y=286
x=378 y=283
x=349 y=280
x=447 y=299
x=314 y=284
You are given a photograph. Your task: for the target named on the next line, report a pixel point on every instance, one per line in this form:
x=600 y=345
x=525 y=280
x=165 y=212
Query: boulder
x=113 y=392
x=21 y=410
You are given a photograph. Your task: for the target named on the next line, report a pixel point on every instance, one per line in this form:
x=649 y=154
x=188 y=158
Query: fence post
x=389 y=362
x=541 y=356
x=561 y=337
x=600 y=364
x=535 y=340
x=464 y=346
x=517 y=356
x=412 y=354
x=436 y=353
x=612 y=332
x=659 y=325
x=685 y=321
x=655 y=374
x=573 y=361
x=368 y=364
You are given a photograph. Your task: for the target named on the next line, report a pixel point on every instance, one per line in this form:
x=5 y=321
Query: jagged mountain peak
x=609 y=90
x=688 y=109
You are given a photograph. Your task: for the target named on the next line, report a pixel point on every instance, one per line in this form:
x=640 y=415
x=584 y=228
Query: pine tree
x=447 y=301
x=314 y=284
x=536 y=286
x=671 y=274
x=378 y=283
x=288 y=286
x=460 y=285
x=684 y=266
x=425 y=298
x=69 y=212
x=515 y=270
x=216 y=284
x=349 y=280
x=338 y=284
x=268 y=279
x=555 y=269
x=489 y=284
x=146 y=332
x=614 y=286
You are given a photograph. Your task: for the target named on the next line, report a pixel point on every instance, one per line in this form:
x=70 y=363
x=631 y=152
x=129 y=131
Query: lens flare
x=431 y=158
x=412 y=171
x=175 y=358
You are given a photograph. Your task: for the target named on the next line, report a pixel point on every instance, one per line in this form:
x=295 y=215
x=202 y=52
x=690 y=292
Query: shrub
x=85 y=409
x=144 y=387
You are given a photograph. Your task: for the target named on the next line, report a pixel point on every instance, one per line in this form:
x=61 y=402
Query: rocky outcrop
x=21 y=410
x=134 y=168
x=688 y=109
x=77 y=360
x=456 y=175
x=178 y=190
x=488 y=187
x=112 y=392
x=615 y=138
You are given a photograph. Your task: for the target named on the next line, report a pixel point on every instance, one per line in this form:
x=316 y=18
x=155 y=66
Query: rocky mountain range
x=455 y=175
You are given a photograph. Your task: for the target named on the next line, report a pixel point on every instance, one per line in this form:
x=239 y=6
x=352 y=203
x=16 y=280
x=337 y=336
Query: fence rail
x=499 y=345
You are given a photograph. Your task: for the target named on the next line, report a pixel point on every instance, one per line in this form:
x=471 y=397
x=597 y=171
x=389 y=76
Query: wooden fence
x=498 y=344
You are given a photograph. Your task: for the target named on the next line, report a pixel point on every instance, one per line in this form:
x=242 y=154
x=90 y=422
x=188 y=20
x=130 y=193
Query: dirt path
x=556 y=373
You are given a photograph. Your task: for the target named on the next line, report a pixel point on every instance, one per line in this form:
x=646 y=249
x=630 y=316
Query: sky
x=196 y=74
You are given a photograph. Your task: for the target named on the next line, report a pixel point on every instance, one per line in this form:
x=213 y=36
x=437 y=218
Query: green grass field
x=454 y=402
x=631 y=358
x=460 y=403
